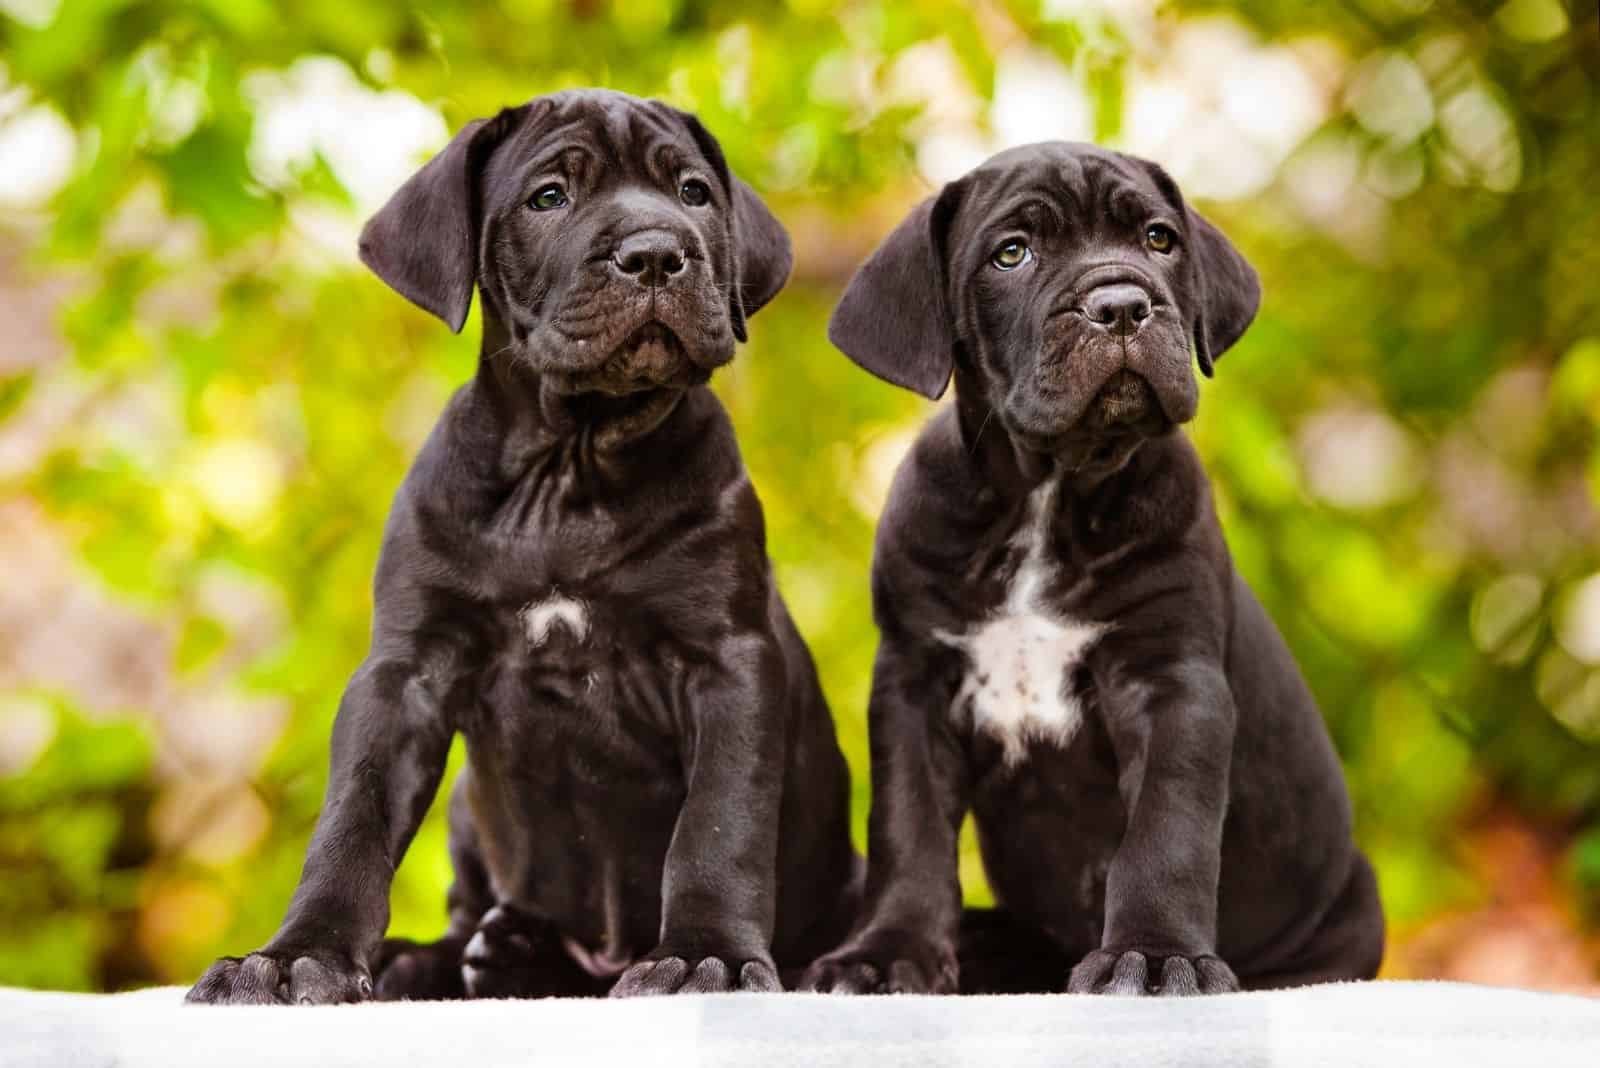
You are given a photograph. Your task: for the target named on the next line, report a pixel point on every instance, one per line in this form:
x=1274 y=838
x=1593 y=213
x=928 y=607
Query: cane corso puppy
x=575 y=577
x=1066 y=647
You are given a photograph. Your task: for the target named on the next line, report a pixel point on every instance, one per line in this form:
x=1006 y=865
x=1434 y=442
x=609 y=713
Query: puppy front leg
x=905 y=941
x=719 y=890
x=1173 y=739
x=390 y=741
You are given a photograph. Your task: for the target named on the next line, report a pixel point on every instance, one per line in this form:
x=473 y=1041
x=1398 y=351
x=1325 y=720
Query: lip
x=1098 y=435
x=622 y=387
x=1095 y=445
x=1126 y=400
x=651 y=357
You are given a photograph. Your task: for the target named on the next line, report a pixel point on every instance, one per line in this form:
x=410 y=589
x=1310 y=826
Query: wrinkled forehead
x=1063 y=186
x=585 y=134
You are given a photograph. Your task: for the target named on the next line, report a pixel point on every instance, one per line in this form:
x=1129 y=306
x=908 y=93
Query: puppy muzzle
x=652 y=357
x=1125 y=402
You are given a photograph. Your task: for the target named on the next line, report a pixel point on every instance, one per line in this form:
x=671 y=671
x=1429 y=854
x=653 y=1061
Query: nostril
x=650 y=257
x=1121 y=307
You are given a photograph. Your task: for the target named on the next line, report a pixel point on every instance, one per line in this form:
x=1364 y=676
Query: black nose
x=649 y=257
x=1119 y=309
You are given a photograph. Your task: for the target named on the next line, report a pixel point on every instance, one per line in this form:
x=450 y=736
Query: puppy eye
x=549 y=198
x=695 y=193
x=1160 y=238
x=1011 y=255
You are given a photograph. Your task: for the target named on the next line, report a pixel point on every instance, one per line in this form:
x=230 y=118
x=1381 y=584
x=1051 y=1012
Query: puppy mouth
x=651 y=357
x=1126 y=402
x=1124 y=412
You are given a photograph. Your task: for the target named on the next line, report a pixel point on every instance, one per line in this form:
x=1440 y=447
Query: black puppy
x=575 y=577
x=1066 y=647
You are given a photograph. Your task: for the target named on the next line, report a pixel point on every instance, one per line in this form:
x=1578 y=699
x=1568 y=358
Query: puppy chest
x=1022 y=658
x=559 y=640
x=585 y=646
x=554 y=618
x=1019 y=686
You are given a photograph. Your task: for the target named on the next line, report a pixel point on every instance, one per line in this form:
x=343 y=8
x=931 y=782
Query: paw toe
x=759 y=977
x=1130 y=976
x=710 y=976
x=1091 y=972
x=650 y=977
x=707 y=975
x=1133 y=973
x=1215 y=976
x=1178 y=978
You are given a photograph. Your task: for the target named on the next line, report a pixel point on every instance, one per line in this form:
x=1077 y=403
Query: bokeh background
x=205 y=403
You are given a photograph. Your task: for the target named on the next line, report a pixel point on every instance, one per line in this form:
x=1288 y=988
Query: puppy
x=1066 y=648
x=574 y=576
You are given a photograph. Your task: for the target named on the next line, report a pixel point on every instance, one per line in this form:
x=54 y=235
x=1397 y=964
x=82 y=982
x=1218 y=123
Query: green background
x=199 y=440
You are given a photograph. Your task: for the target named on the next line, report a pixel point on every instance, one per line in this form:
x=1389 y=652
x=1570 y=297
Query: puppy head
x=605 y=234
x=1072 y=281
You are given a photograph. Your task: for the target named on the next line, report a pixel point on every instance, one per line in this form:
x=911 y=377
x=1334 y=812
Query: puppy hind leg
x=517 y=955
x=1347 y=945
x=419 y=971
x=830 y=930
x=431 y=971
x=1002 y=954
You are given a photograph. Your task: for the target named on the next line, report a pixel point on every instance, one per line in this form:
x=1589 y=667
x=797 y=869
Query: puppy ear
x=424 y=241
x=893 y=319
x=762 y=256
x=1227 y=287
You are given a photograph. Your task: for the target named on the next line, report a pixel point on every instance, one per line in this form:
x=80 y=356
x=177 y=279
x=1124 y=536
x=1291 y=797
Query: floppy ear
x=761 y=253
x=893 y=319
x=764 y=255
x=424 y=241
x=1227 y=288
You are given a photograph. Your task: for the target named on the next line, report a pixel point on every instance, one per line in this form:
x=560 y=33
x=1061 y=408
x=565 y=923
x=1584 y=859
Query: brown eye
x=549 y=198
x=1160 y=238
x=1011 y=255
x=695 y=193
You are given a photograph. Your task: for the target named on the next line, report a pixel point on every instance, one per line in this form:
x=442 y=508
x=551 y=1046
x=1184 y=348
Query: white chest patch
x=539 y=618
x=1021 y=659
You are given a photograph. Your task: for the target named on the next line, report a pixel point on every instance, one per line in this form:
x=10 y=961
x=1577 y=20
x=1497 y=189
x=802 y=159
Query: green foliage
x=69 y=826
x=283 y=396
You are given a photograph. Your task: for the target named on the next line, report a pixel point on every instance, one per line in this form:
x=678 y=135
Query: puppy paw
x=283 y=977
x=1139 y=974
x=885 y=964
x=404 y=970
x=514 y=954
x=669 y=972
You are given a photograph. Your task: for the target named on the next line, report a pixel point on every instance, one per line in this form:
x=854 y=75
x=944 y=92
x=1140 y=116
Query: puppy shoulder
x=460 y=429
x=1165 y=493
x=1168 y=503
x=694 y=461
x=434 y=498
x=930 y=482
x=708 y=425
x=925 y=532
x=1192 y=488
